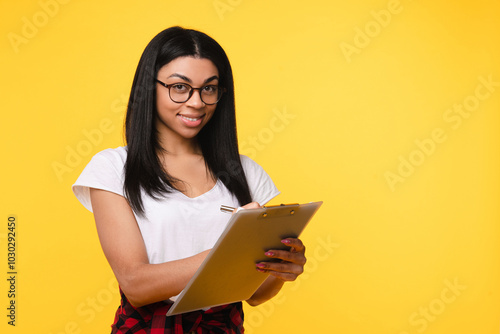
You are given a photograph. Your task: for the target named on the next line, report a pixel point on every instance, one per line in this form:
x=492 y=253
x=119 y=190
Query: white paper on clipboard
x=228 y=273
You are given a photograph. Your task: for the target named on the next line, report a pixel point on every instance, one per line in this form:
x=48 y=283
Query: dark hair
x=217 y=139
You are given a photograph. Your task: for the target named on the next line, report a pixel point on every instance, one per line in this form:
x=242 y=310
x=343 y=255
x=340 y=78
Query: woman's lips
x=191 y=121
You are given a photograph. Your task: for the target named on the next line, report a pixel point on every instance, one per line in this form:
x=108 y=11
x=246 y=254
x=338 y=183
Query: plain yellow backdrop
x=388 y=111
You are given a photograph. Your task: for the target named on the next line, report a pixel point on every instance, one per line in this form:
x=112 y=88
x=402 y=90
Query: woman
x=156 y=201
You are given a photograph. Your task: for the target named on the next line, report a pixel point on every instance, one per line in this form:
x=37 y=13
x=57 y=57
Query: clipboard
x=228 y=274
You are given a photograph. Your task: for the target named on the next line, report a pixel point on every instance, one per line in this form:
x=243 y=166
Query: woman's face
x=184 y=120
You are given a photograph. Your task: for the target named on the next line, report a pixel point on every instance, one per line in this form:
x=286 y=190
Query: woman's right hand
x=121 y=240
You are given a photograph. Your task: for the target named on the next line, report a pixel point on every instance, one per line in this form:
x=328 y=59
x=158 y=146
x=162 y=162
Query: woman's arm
x=288 y=269
x=121 y=240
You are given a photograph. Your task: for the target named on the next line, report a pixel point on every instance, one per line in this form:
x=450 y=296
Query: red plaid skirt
x=152 y=319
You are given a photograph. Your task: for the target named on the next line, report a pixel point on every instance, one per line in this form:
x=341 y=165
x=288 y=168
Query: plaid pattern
x=151 y=319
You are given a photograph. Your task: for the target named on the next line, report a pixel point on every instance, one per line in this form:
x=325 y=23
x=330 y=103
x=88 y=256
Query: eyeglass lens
x=181 y=92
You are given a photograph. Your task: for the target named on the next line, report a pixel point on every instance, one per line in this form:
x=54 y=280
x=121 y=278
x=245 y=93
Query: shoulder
x=113 y=156
x=261 y=186
x=111 y=160
x=251 y=169
x=104 y=171
x=249 y=164
x=109 y=163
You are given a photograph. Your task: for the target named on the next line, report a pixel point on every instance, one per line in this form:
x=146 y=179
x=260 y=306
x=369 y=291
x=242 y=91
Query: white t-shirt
x=175 y=226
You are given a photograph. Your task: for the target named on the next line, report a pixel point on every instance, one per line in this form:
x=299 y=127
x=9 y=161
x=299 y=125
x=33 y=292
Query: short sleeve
x=104 y=171
x=262 y=188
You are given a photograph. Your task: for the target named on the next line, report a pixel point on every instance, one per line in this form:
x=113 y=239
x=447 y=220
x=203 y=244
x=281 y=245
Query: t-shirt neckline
x=206 y=193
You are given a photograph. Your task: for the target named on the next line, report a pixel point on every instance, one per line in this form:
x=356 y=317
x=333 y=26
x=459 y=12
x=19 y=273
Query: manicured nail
x=285 y=241
x=260 y=265
x=260 y=270
x=269 y=254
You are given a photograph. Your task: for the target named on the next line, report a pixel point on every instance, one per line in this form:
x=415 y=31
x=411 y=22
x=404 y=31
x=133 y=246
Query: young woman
x=156 y=201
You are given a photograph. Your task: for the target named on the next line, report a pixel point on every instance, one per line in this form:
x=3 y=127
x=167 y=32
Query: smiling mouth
x=191 y=119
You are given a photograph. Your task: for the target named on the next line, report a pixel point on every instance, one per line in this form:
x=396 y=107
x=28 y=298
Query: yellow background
x=382 y=254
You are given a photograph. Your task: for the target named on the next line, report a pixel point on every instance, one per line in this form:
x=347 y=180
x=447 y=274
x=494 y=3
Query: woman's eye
x=210 y=89
x=180 y=88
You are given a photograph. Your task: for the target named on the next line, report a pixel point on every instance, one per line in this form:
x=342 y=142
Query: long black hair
x=217 y=139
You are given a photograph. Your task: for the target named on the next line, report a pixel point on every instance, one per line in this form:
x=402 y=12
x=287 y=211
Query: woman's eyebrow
x=183 y=77
x=180 y=76
x=211 y=78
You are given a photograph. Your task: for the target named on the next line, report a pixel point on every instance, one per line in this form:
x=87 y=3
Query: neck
x=180 y=146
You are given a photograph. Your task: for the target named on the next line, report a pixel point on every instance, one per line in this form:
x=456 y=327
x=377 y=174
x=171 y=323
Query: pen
x=227 y=209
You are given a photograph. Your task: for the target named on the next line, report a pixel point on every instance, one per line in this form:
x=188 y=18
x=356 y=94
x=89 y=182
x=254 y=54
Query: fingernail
x=285 y=241
x=260 y=265
x=269 y=254
x=260 y=270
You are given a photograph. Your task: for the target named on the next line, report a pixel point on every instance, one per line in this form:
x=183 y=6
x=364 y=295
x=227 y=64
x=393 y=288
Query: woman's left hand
x=291 y=264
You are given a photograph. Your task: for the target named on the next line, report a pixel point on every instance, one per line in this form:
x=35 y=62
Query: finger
x=284 y=276
x=251 y=205
x=288 y=256
x=295 y=243
x=280 y=267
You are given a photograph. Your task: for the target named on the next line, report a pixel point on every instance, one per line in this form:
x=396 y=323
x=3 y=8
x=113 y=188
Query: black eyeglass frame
x=222 y=90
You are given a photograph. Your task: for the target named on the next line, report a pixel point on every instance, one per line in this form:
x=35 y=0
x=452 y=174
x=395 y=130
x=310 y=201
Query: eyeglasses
x=181 y=92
